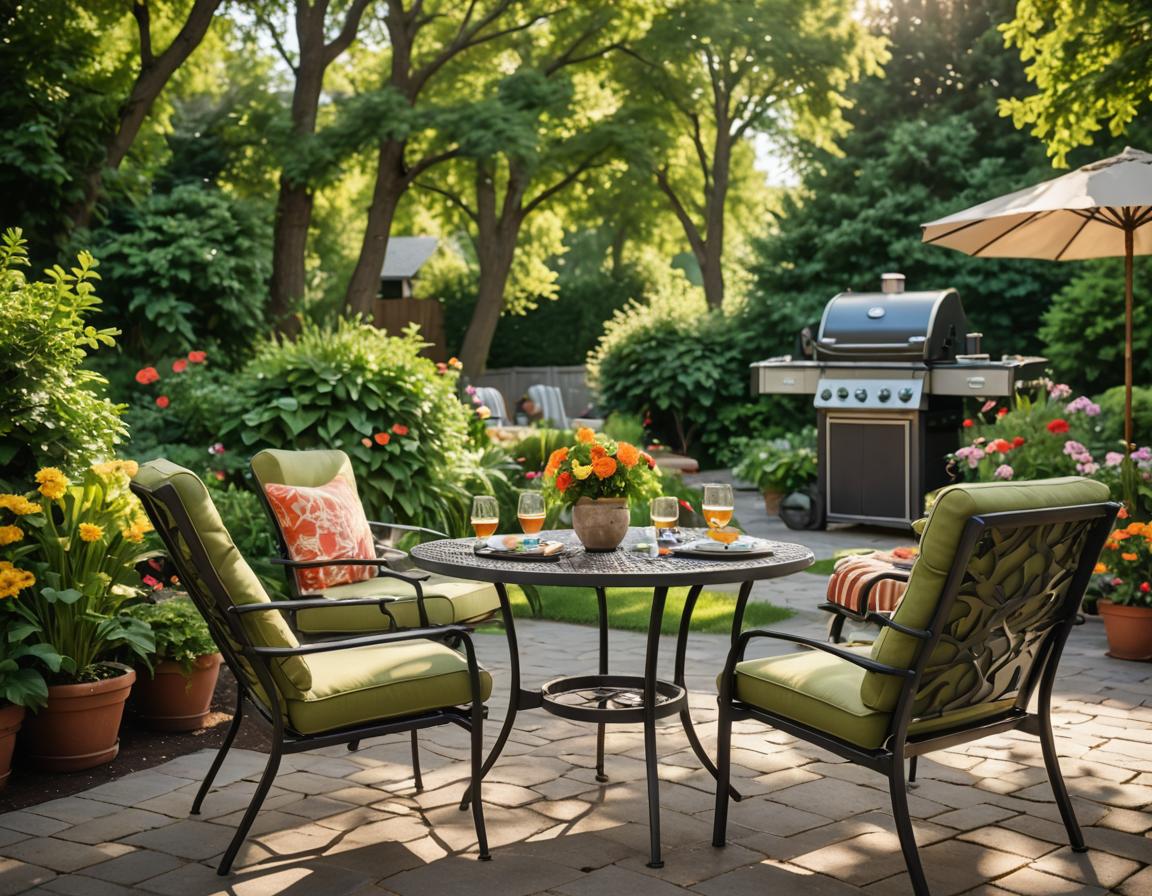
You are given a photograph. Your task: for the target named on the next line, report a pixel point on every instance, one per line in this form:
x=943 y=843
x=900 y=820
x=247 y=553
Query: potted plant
x=1125 y=569
x=779 y=467
x=596 y=477
x=70 y=556
x=22 y=684
x=174 y=693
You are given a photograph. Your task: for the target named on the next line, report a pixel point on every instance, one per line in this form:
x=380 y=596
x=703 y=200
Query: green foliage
x=784 y=464
x=1112 y=406
x=351 y=386
x=181 y=634
x=187 y=269
x=1083 y=329
x=1089 y=61
x=23 y=656
x=52 y=410
x=624 y=428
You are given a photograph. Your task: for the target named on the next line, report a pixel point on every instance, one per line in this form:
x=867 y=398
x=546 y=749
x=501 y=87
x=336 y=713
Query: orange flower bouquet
x=1126 y=563
x=597 y=467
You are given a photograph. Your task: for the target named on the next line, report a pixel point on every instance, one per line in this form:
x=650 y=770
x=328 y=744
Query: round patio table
x=601 y=697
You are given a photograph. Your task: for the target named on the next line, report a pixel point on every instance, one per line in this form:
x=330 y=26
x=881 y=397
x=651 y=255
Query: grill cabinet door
x=866 y=462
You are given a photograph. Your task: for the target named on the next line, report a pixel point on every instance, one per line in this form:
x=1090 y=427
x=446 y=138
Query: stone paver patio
x=339 y=822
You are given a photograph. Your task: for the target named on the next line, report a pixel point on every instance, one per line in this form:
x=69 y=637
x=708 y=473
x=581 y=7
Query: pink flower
x=1004 y=472
x=988 y=405
x=531 y=474
x=1089 y=468
x=471 y=390
x=1059 y=391
x=1084 y=405
x=217 y=448
x=1113 y=459
x=152 y=582
x=179 y=365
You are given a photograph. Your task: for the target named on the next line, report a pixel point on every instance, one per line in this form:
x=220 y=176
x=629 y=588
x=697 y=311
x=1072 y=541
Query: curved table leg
x=602 y=606
x=513 y=695
x=651 y=655
x=678 y=674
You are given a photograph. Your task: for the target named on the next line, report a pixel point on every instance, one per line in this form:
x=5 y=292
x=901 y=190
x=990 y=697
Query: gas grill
x=888 y=372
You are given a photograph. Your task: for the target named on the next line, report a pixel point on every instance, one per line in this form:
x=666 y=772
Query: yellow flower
x=18 y=504
x=91 y=532
x=53 y=483
x=1100 y=568
x=136 y=531
x=10 y=534
x=13 y=580
x=111 y=468
x=585 y=435
x=580 y=471
x=130 y=468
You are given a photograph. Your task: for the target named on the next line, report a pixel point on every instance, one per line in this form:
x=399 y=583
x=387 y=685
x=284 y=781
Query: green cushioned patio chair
x=420 y=598
x=990 y=602
x=318 y=694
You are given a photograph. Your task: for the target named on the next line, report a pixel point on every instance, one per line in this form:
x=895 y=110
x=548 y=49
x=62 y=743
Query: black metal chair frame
x=224 y=621
x=889 y=758
x=861 y=613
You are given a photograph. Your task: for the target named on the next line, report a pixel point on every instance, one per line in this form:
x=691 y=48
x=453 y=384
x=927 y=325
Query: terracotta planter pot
x=168 y=700
x=772 y=502
x=1129 y=630
x=80 y=726
x=10 y=718
x=600 y=523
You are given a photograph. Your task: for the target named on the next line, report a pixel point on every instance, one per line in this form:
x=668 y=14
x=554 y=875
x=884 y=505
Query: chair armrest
x=438 y=633
x=382 y=571
x=379 y=525
x=887 y=622
x=895 y=575
x=864 y=662
x=310 y=603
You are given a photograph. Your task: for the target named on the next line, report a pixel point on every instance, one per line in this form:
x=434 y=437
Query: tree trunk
x=155 y=72
x=711 y=259
x=495 y=267
x=390 y=185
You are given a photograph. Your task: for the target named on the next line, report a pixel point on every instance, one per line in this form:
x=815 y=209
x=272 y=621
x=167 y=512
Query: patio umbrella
x=1102 y=210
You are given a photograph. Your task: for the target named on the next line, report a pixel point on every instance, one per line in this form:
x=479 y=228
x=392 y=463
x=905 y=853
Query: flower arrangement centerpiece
x=1125 y=579
x=67 y=555
x=597 y=477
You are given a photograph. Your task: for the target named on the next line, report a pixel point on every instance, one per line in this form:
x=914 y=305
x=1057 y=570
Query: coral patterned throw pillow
x=324 y=523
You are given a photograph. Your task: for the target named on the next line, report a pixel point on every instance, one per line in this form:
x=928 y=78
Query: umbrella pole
x=1128 y=276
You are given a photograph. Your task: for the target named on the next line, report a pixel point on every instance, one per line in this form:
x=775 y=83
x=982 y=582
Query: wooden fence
x=393 y=315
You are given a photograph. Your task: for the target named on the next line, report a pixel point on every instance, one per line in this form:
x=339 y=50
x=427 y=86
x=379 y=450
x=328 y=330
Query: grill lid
x=893 y=326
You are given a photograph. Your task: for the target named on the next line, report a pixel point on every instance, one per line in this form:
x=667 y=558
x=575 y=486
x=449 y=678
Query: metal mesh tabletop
x=621 y=568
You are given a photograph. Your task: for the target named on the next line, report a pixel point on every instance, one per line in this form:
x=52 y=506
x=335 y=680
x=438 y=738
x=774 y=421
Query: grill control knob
x=884 y=394
x=905 y=394
x=842 y=393
x=826 y=395
x=861 y=394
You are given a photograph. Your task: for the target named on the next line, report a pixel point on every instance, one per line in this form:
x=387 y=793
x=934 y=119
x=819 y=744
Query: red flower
x=968 y=424
x=1002 y=412
x=1145 y=587
x=1058 y=426
x=152 y=582
x=219 y=474
x=563 y=481
x=1018 y=441
x=686 y=506
x=382 y=438
x=648 y=459
x=399 y=429
x=197 y=357
x=179 y=366
x=366 y=442
x=1122 y=513
x=147 y=375
x=162 y=401
x=1003 y=446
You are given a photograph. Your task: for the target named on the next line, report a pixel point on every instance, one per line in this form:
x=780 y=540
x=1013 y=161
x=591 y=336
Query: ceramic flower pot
x=169 y=700
x=772 y=499
x=1129 y=630
x=80 y=726
x=10 y=718
x=600 y=523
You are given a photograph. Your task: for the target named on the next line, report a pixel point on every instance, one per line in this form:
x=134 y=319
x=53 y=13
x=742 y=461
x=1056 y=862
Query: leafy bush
x=52 y=410
x=187 y=268
x=354 y=387
x=1112 y=405
x=1083 y=329
x=182 y=636
x=785 y=464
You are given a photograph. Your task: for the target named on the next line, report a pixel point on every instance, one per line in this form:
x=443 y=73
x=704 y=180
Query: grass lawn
x=628 y=608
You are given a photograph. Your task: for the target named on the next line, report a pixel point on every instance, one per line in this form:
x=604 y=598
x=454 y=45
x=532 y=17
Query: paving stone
x=133 y=789
x=771 y=877
x=32 y=824
x=200 y=880
x=1092 y=867
x=690 y=866
x=73 y=809
x=464 y=876
x=1126 y=820
x=61 y=855
x=1009 y=841
x=16 y=877
x=773 y=818
x=840 y=798
x=82 y=885
x=1031 y=882
x=119 y=824
x=973 y=817
x=1139 y=884
x=185 y=839
x=133 y=867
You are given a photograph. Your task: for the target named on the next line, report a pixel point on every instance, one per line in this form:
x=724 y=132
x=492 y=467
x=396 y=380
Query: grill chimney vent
x=892 y=283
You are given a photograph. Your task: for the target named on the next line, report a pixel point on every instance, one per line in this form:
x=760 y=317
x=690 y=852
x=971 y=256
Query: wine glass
x=530 y=512
x=717 y=505
x=485 y=515
x=665 y=512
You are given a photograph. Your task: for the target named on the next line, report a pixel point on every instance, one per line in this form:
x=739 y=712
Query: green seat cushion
x=446 y=601
x=352 y=687
x=954 y=506
x=822 y=691
x=264 y=628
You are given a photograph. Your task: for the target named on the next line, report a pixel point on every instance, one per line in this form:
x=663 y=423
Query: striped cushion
x=852 y=574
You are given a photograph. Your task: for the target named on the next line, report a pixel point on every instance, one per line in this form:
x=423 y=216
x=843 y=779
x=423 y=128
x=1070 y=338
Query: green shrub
x=181 y=634
x=1112 y=405
x=785 y=464
x=187 y=269
x=624 y=428
x=356 y=388
x=52 y=411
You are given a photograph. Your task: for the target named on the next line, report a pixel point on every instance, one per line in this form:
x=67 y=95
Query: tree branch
x=347 y=33
x=274 y=34
x=427 y=162
x=691 y=231
x=451 y=197
x=563 y=183
x=144 y=25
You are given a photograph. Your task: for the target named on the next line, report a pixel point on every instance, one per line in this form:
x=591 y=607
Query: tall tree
x=714 y=72
x=316 y=51
x=1091 y=62
x=423 y=38
x=153 y=73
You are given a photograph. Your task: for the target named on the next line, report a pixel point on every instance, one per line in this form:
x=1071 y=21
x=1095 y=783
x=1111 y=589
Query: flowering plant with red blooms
x=1126 y=565
x=599 y=467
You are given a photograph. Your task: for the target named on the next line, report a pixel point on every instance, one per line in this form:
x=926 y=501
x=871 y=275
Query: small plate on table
x=707 y=549
x=511 y=547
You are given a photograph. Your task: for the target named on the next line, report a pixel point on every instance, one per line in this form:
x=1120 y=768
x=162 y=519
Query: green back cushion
x=301 y=468
x=953 y=508
x=266 y=629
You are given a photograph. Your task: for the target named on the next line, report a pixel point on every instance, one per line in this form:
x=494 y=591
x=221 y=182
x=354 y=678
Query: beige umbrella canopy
x=1102 y=210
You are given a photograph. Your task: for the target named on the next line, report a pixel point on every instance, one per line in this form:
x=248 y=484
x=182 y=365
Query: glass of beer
x=485 y=515
x=717 y=505
x=665 y=512
x=530 y=511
